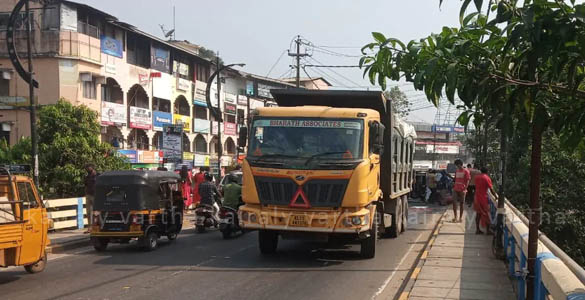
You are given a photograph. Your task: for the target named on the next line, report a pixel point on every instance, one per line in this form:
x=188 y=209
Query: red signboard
x=229 y=128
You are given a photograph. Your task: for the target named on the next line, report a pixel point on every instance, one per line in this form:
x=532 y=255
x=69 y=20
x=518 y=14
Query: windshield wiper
x=322 y=154
x=275 y=155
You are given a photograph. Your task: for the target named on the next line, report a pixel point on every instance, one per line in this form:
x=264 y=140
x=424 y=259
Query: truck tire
x=397 y=217
x=37 y=267
x=268 y=241
x=99 y=244
x=368 y=245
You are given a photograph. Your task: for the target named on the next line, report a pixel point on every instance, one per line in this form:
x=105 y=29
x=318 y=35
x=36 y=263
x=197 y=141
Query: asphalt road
x=204 y=266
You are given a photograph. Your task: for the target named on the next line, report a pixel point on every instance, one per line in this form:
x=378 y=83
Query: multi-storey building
x=135 y=81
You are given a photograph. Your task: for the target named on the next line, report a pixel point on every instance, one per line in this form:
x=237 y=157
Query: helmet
x=208 y=176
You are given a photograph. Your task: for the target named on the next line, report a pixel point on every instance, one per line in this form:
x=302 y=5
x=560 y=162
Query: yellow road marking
x=403 y=296
x=415 y=273
x=424 y=255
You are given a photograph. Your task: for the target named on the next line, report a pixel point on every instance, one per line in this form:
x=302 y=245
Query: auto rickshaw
x=142 y=205
x=23 y=221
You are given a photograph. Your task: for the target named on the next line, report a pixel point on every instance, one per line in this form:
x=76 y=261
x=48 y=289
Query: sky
x=258 y=32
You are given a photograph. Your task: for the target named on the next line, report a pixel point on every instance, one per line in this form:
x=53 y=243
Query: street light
x=217 y=111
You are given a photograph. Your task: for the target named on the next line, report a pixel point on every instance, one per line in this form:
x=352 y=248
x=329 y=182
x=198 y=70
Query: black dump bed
x=350 y=99
x=130 y=190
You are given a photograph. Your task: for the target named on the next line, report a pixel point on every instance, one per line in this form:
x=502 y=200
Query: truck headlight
x=253 y=218
x=356 y=220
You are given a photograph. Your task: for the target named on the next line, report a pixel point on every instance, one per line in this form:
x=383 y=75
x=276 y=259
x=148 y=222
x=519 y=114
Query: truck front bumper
x=345 y=221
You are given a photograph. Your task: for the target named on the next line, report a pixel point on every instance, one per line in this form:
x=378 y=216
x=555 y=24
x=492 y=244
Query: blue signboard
x=131 y=155
x=159 y=119
x=111 y=46
x=448 y=129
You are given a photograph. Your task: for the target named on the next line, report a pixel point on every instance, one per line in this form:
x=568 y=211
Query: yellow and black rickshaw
x=142 y=205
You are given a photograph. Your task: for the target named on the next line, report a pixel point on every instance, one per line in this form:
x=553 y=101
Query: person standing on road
x=462 y=178
x=470 y=196
x=89 y=182
x=483 y=182
x=186 y=186
x=197 y=180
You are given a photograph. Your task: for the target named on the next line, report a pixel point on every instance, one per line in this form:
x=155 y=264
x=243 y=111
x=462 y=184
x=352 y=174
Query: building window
x=200 y=112
x=4 y=87
x=138 y=51
x=200 y=144
x=20 y=21
x=230 y=118
x=201 y=72
x=89 y=89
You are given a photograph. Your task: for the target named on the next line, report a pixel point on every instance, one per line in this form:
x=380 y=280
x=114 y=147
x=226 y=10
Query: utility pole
x=31 y=91
x=219 y=144
x=298 y=56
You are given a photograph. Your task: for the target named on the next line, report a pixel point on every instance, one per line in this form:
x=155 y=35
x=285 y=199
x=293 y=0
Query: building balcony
x=79 y=45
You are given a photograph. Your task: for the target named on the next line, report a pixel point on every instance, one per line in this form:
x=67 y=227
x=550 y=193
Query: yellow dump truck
x=23 y=221
x=326 y=165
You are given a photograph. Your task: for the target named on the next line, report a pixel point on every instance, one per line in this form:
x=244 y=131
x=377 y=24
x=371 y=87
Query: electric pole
x=298 y=56
x=219 y=143
x=31 y=91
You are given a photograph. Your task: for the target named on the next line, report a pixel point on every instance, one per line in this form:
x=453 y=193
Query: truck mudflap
x=350 y=221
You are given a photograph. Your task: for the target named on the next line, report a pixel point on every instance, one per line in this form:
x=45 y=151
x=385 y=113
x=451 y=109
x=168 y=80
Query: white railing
x=67 y=213
x=557 y=276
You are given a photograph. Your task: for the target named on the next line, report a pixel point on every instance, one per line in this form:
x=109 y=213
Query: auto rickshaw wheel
x=172 y=236
x=151 y=241
x=99 y=244
x=37 y=267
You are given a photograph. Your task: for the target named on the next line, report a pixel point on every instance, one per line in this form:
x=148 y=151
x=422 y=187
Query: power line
x=332 y=70
x=304 y=70
x=277 y=61
x=339 y=66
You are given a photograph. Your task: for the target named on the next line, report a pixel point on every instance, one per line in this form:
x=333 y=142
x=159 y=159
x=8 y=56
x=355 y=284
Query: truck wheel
x=368 y=245
x=396 y=228
x=268 y=241
x=37 y=267
x=99 y=244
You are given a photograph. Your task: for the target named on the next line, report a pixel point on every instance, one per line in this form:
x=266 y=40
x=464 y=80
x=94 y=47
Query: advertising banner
x=188 y=156
x=242 y=100
x=230 y=98
x=229 y=128
x=448 y=129
x=172 y=143
x=113 y=114
x=11 y=101
x=162 y=86
x=201 y=160
x=199 y=95
x=160 y=59
x=201 y=126
x=213 y=127
x=230 y=108
x=111 y=46
x=443 y=149
x=148 y=157
x=140 y=118
x=308 y=123
x=184 y=120
x=159 y=119
x=183 y=84
x=131 y=155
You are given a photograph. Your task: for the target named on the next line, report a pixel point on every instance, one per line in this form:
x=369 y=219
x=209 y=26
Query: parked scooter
x=205 y=217
x=228 y=222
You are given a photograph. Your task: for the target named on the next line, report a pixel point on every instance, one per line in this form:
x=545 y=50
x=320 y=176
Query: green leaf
x=580 y=12
x=380 y=38
x=478 y=4
x=468 y=18
x=463 y=9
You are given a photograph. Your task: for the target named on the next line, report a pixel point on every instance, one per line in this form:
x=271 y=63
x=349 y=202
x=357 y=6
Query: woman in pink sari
x=186 y=186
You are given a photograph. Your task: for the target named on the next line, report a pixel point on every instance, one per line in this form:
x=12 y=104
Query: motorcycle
x=228 y=222
x=205 y=217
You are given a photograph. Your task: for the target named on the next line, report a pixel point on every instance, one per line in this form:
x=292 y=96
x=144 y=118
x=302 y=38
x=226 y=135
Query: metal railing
x=68 y=213
x=557 y=276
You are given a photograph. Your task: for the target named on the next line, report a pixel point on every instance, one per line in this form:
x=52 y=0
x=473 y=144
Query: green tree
x=69 y=138
x=400 y=104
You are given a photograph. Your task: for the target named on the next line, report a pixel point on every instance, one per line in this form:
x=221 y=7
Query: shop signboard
x=182 y=120
x=230 y=109
x=214 y=127
x=140 y=118
x=131 y=155
x=113 y=114
x=172 y=143
x=200 y=125
x=242 y=100
x=111 y=46
x=188 y=156
x=199 y=95
x=183 y=84
x=159 y=119
x=201 y=160
x=443 y=149
x=160 y=59
x=148 y=157
x=229 y=128
x=230 y=98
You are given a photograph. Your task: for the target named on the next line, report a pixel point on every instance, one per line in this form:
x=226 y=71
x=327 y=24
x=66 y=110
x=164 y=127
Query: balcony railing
x=79 y=45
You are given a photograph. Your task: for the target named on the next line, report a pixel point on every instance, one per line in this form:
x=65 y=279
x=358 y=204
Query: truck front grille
x=320 y=193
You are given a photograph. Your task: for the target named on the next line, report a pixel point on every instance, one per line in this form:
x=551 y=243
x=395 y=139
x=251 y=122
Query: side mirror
x=243 y=138
x=377 y=138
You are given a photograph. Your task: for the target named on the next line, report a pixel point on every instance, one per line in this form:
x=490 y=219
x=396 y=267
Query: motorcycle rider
x=209 y=194
x=232 y=192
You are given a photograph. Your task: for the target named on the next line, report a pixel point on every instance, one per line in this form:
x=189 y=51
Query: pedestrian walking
x=89 y=182
x=186 y=185
x=480 y=205
x=462 y=178
x=470 y=196
x=197 y=180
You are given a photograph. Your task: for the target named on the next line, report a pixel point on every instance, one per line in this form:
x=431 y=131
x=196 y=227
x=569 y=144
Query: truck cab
x=321 y=166
x=23 y=221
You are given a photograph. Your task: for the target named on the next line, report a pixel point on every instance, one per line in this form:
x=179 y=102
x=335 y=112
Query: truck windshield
x=309 y=139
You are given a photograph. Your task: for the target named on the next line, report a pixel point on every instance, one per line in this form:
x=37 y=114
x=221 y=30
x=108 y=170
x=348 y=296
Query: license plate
x=299 y=221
